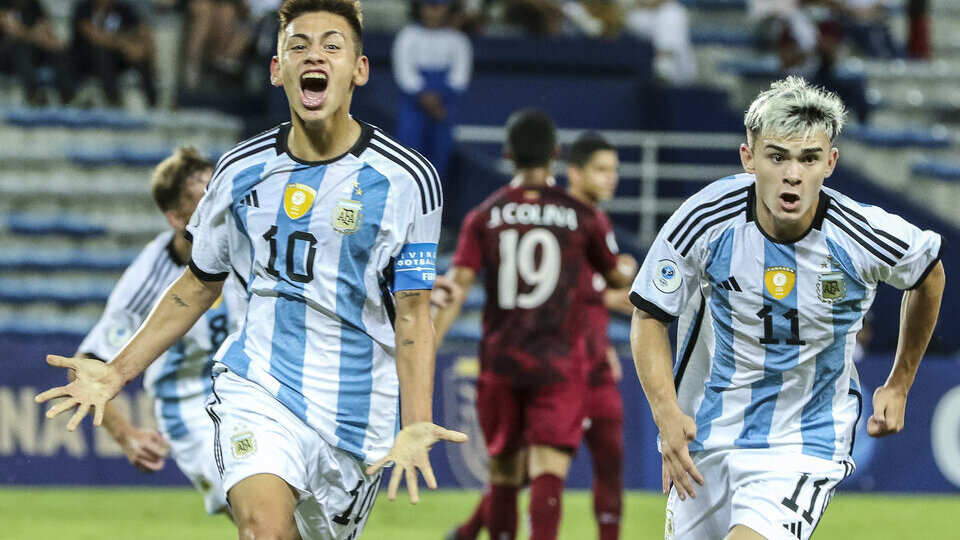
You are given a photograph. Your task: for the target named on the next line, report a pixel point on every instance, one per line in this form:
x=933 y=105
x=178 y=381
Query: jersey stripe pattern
x=316 y=244
x=767 y=328
x=182 y=372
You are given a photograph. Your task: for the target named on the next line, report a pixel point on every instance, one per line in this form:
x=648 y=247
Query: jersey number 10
x=292 y=272
x=518 y=262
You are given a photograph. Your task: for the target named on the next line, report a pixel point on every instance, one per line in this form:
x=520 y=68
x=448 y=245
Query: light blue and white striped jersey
x=765 y=354
x=321 y=247
x=183 y=371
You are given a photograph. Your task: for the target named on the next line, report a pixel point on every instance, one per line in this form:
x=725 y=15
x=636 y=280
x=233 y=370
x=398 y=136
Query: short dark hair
x=586 y=145
x=531 y=138
x=170 y=176
x=348 y=9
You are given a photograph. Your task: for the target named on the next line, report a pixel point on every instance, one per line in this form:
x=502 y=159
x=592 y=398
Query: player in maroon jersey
x=592 y=174
x=531 y=240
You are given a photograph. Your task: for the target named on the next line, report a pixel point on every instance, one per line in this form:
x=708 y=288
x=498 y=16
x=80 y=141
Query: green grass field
x=164 y=514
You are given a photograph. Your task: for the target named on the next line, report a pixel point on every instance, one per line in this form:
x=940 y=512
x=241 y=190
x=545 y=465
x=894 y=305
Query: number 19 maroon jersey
x=532 y=243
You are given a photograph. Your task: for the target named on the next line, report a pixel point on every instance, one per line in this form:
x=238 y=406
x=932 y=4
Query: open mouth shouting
x=789 y=201
x=313 y=88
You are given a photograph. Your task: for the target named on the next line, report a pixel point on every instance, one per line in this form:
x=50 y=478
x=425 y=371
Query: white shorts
x=189 y=431
x=779 y=495
x=256 y=434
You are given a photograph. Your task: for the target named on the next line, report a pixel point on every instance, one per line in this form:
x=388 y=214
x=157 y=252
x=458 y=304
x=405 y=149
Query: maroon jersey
x=533 y=244
x=597 y=316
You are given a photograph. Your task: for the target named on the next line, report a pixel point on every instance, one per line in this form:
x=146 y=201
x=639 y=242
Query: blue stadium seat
x=941 y=170
x=31 y=224
x=899 y=138
x=727 y=37
x=49 y=260
x=33 y=291
x=73 y=118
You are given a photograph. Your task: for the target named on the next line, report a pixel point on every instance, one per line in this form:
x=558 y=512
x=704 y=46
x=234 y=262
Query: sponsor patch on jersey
x=347 y=215
x=243 y=445
x=667 y=277
x=779 y=281
x=297 y=200
x=832 y=287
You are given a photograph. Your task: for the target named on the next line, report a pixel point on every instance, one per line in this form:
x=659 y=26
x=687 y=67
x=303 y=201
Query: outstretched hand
x=409 y=454
x=676 y=432
x=95 y=384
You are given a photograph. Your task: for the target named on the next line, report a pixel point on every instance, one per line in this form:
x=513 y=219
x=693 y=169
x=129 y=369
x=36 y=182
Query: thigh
x=263 y=506
x=339 y=495
x=554 y=415
x=782 y=496
x=708 y=515
x=256 y=434
x=499 y=414
x=604 y=401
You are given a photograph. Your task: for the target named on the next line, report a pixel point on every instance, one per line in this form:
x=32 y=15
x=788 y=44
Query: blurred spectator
x=865 y=24
x=666 y=25
x=595 y=18
x=219 y=34
x=109 y=38
x=770 y=18
x=28 y=42
x=535 y=17
x=918 y=37
x=432 y=64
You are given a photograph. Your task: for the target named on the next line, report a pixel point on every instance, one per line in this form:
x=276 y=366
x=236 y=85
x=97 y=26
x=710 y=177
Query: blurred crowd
x=222 y=39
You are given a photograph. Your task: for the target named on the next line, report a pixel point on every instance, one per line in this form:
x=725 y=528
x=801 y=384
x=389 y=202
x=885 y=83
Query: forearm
x=416 y=356
x=618 y=300
x=918 y=317
x=177 y=310
x=650 y=344
x=443 y=319
x=115 y=422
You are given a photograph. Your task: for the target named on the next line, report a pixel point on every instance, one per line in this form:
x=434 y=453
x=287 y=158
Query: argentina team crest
x=779 y=281
x=298 y=199
x=832 y=287
x=347 y=216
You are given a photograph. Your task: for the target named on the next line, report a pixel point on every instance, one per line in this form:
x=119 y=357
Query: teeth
x=315 y=75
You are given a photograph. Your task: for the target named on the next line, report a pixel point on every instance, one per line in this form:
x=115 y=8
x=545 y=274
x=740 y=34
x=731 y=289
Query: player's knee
x=259 y=526
x=549 y=460
x=506 y=470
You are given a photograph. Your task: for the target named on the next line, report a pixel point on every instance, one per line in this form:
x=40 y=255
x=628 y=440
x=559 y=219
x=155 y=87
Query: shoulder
x=886 y=236
x=404 y=167
x=719 y=204
x=256 y=149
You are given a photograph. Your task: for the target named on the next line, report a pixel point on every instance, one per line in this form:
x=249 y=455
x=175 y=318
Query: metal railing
x=649 y=171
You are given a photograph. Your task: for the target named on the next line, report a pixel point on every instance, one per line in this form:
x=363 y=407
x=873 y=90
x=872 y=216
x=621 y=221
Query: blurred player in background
x=762 y=407
x=532 y=240
x=333 y=228
x=592 y=164
x=180 y=381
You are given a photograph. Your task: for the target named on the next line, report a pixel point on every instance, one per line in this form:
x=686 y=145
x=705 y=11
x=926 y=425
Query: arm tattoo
x=408 y=294
x=177 y=300
x=408 y=342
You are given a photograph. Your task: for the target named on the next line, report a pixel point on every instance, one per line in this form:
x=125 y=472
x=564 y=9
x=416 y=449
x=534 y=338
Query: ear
x=832 y=162
x=361 y=71
x=275 y=72
x=746 y=159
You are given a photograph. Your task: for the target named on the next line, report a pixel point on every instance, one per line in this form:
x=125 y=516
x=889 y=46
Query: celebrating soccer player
x=179 y=382
x=762 y=410
x=533 y=241
x=332 y=227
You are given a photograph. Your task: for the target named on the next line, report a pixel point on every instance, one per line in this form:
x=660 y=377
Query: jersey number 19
x=518 y=261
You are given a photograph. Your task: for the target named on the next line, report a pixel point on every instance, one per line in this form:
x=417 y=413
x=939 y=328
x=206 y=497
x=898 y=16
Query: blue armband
x=415 y=267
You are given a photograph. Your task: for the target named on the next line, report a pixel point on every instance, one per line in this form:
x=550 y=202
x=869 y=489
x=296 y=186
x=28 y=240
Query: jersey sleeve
x=120 y=319
x=666 y=280
x=915 y=251
x=405 y=71
x=469 y=252
x=208 y=230
x=601 y=244
x=459 y=76
x=415 y=267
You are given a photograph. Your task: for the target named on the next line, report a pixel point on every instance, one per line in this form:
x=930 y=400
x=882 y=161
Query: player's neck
x=322 y=141
x=581 y=196
x=181 y=248
x=781 y=230
x=534 y=176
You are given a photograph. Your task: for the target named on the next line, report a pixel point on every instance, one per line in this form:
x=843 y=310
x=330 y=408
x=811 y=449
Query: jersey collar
x=817 y=222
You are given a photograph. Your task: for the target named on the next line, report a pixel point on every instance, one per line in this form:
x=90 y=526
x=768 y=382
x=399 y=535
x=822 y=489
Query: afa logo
x=667 y=277
x=832 y=287
x=243 y=445
x=347 y=216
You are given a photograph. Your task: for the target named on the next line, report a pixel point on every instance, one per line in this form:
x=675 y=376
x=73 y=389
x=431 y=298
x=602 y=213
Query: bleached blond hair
x=793 y=109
